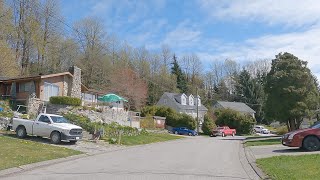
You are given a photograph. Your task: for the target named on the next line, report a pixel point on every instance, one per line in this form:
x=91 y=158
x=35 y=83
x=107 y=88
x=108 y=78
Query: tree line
x=35 y=39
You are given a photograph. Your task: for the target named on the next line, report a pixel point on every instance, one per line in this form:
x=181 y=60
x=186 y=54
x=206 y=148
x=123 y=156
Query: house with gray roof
x=183 y=103
x=237 y=106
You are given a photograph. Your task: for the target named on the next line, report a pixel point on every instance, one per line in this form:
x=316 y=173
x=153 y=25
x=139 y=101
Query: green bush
x=282 y=130
x=144 y=132
x=65 y=100
x=173 y=118
x=148 y=122
x=208 y=125
x=242 y=123
x=110 y=130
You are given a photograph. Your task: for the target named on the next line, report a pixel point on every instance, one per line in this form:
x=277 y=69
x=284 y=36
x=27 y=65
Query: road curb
x=252 y=162
x=27 y=167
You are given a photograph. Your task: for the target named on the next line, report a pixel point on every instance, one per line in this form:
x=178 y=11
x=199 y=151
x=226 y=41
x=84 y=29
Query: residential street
x=189 y=158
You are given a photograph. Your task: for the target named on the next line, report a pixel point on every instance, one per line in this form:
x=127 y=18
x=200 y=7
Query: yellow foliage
x=8 y=67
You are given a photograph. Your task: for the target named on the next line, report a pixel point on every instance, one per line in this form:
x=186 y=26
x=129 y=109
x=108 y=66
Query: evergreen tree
x=291 y=90
x=181 y=78
x=249 y=90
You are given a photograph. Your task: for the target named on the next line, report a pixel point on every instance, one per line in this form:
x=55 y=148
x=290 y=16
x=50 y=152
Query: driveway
x=277 y=150
x=189 y=158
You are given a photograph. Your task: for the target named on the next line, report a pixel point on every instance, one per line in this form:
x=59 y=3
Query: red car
x=223 y=131
x=308 y=139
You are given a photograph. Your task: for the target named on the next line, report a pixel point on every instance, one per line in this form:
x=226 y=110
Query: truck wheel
x=223 y=135
x=311 y=143
x=233 y=134
x=176 y=132
x=55 y=137
x=21 y=132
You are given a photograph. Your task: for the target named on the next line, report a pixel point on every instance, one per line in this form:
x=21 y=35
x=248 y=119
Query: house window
x=183 y=100
x=191 y=103
x=25 y=87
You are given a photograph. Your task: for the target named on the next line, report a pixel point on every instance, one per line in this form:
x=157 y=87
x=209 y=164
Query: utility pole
x=197 y=112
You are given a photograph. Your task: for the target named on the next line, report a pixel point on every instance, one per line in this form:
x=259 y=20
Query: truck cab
x=52 y=126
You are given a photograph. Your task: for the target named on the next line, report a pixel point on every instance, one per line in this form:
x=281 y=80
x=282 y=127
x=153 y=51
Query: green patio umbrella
x=111 y=98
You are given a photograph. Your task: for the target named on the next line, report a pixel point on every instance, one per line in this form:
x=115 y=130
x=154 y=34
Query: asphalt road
x=189 y=158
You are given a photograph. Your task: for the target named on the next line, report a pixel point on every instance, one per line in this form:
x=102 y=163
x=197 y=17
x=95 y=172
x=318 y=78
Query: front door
x=50 y=90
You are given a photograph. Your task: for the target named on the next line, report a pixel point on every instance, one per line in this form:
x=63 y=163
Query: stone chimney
x=76 y=82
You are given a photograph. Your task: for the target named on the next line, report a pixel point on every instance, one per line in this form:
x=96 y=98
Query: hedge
x=173 y=118
x=65 y=100
x=148 y=123
x=208 y=125
x=228 y=117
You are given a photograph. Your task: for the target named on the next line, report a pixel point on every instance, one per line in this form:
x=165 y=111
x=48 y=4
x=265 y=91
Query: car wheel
x=223 y=135
x=190 y=134
x=21 y=132
x=233 y=134
x=176 y=132
x=311 y=143
x=55 y=137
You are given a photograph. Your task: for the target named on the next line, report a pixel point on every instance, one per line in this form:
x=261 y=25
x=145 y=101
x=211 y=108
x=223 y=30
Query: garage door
x=50 y=90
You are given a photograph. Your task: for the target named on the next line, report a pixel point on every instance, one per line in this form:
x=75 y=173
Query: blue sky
x=243 y=30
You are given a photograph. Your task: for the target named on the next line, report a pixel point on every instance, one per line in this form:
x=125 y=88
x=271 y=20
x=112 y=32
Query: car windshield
x=316 y=126
x=59 y=119
x=220 y=128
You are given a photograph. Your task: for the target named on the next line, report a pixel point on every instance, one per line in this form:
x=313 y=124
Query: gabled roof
x=185 y=107
x=237 y=106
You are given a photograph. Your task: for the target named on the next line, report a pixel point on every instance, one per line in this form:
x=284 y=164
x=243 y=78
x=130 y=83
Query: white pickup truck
x=52 y=126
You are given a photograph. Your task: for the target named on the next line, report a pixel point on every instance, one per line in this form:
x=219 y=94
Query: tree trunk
x=293 y=125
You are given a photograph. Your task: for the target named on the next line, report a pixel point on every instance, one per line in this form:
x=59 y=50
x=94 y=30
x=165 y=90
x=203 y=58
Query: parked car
x=265 y=131
x=184 y=131
x=308 y=139
x=52 y=126
x=223 y=131
x=258 y=129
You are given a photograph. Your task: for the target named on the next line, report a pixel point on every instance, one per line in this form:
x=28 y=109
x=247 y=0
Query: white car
x=258 y=129
x=265 y=131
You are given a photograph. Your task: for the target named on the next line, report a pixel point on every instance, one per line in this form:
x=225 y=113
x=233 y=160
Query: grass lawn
x=263 y=142
x=291 y=167
x=147 y=139
x=16 y=152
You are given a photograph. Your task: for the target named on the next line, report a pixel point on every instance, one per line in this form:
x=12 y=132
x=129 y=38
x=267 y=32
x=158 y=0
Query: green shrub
x=148 y=122
x=112 y=130
x=65 y=100
x=282 y=130
x=242 y=123
x=112 y=140
x=144 y=132
x=173 y=118
x=208 y=125
x=186 y=121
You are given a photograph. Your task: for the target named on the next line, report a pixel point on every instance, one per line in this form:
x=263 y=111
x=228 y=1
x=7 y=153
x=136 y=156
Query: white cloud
x=184 y=35
x=305 y=45
x=288 y=12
